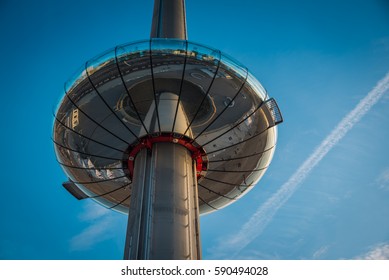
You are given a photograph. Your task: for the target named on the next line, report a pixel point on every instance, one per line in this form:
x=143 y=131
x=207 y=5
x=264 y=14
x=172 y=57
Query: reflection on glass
x=100 y=66
x=257 y=87
x=225 y=88
x=168 y=60
x=78 y=77
x=198 y=105
x=138 y=99
x=138 y=90
x=233 y=67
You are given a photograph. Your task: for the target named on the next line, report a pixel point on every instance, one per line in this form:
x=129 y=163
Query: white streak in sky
x=265 y=213
x=379 y=252
x=383 y=180
x=102 y=225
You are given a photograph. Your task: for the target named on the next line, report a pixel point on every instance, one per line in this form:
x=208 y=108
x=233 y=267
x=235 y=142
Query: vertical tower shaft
x=163 y=218
x=169 y=19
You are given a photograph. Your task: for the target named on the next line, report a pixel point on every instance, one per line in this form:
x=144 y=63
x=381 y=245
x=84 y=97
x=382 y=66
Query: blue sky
x=319 y=59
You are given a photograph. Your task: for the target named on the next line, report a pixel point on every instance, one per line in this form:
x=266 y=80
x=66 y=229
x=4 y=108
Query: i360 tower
x=164 y=129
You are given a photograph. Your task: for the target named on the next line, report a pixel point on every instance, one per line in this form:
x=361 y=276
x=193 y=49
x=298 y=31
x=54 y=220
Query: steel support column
x=163 y=221
x=169 y=19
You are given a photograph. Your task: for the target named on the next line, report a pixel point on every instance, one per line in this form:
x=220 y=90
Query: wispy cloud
x=383 y=179
x=93 y=234
x=378 y=252
x=320 y=252
x=265 y=213
x=101 y=225
x=93 y=211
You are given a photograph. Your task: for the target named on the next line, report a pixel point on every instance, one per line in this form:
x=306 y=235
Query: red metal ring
x=146 y=142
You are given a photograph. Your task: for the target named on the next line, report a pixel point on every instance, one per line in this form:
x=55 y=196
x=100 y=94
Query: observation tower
x=164 y=130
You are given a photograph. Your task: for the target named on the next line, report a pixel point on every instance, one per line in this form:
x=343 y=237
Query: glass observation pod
x=164 y=90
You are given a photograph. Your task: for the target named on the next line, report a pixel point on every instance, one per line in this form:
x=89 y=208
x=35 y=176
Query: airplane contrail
x=265 y=213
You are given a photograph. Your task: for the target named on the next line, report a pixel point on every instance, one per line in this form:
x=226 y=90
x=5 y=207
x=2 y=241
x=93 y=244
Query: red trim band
x=146 y=142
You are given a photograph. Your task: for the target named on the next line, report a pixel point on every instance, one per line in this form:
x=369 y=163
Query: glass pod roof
x=106 y=109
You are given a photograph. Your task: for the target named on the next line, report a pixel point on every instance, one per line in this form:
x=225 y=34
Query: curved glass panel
x=168 y=58
x=164 y=85
x=200 y=72
x=138 y=101
x=80 y=133
x=231 y=140
x=107 y=83
x=226 y=86
x=63 y=109
x=257 y=87
x=233 y=67
x=60 y=108
x=98 y=67
x=79 y=160
x=237 y=120
x=94 y=116
x=235 y=170
x=76 y=79
x=114 y=188
x=237 y=147
x=115 y=195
